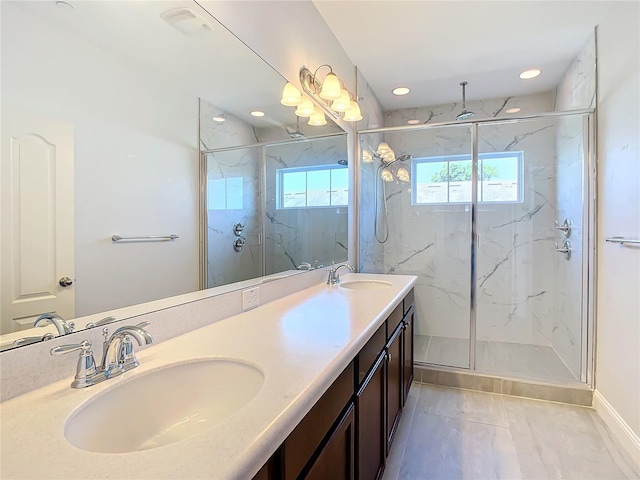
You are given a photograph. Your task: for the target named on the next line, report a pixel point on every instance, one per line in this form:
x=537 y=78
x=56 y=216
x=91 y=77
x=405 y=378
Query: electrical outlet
x=250 y=298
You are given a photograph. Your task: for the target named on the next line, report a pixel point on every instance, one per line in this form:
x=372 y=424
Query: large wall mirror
x=106 y=108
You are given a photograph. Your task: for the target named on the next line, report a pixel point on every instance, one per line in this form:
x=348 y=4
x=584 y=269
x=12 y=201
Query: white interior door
x=37 y=238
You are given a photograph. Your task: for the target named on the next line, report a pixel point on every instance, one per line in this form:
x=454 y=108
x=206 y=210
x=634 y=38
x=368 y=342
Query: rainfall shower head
x=464 y=115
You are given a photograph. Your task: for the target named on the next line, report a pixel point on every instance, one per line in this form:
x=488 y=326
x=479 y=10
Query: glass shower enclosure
x=495 y=219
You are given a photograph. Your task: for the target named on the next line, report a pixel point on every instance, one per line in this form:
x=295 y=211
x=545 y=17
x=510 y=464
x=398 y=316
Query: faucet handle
x=86 y=370
x=99 y=323
x=74 y=347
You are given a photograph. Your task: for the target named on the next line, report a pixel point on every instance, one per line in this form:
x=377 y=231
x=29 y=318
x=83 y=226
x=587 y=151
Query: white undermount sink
x=163 y=406
x=365 y=284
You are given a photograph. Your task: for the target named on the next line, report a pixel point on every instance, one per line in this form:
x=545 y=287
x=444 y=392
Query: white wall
x=618 y=268
x=136 y=159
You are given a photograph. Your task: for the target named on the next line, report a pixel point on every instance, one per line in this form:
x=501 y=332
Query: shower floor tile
x=503 y=358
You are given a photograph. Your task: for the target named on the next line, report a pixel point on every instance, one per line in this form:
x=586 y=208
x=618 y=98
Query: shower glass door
x=233 y=216
x=529 y=289
x=421 y=226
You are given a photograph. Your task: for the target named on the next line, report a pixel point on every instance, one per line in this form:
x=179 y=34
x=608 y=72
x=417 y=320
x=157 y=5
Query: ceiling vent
x=187 y=21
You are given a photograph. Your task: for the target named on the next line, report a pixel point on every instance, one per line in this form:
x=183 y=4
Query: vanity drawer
x=370 y=352
x=299 y=447
x=408 y=302
x=394 y=320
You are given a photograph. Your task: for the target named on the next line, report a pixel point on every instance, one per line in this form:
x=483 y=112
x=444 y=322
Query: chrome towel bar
x=621 y=240
x=118 y=238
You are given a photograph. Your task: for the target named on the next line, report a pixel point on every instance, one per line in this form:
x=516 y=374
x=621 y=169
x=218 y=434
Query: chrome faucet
x=304 y=266
x=61 y=324
x=118 y=355
x=334 y=277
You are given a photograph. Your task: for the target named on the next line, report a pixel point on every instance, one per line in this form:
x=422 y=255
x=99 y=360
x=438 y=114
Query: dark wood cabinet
x=336 y=459
x=407 y=354
x=370 y=421
x=347 y=434
x=395 y=388
x=302 y=445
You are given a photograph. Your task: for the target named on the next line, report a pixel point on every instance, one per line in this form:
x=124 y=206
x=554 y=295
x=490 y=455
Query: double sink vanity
x=308 y=385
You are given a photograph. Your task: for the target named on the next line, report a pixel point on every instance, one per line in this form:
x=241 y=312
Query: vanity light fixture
x=400 y=91
x=291 y=96
x=330 y=93
x=257 y=113
x=317 y=118
x=532 y=73
x=219 y=119
x=366 y=156
x=306 y=108
x=512 y=110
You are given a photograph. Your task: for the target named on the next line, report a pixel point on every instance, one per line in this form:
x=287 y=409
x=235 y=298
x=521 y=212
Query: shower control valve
x=238 y=229
x=238 y=244
x=565 y=250
x=565 y=228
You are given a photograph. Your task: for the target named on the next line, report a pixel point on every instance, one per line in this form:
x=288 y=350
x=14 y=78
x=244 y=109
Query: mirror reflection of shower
x=391 y=169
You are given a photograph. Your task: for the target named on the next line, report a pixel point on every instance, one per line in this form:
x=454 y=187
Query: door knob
x=65 y=282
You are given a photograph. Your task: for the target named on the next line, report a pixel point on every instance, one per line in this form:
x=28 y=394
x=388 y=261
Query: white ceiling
x=431 y=46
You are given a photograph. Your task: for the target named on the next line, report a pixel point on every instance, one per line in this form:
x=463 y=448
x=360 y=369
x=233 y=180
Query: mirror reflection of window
x=225 y=193
x=312 y=187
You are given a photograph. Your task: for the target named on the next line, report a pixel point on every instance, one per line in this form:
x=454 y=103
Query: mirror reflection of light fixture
x=291 y=96
x=383 y=148
x=330 y=92
x=386 y=175
x=391 y=167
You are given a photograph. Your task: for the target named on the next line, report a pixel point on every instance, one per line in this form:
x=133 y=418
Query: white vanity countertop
x=301 y=343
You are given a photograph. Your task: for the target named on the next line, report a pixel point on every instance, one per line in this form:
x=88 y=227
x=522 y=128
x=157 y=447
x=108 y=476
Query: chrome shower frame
x=589 y=204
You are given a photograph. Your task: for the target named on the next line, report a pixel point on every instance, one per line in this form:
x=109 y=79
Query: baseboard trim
x=620 y=429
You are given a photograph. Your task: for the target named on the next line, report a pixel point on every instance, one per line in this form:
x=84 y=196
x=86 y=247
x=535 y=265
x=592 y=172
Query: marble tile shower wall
x=516 y=254
x=373 y=117
x=575 y=91
x=224 y=265
x=301 y=235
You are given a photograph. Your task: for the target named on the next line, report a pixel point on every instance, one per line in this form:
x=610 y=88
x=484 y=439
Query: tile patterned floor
x=532 y=361
x=448 y=433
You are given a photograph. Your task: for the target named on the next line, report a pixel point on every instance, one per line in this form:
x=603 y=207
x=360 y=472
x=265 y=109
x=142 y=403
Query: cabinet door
x=370 y=424
x=336 y=460
x=395 y=366
x=407 y=354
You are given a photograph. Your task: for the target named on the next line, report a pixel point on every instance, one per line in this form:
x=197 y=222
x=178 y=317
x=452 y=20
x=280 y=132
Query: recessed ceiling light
x=400 y=91
x=257 y=113
x=513 y=110
x=413 y=121
x=527 y=74
x=65 y=6
x=219 y=119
